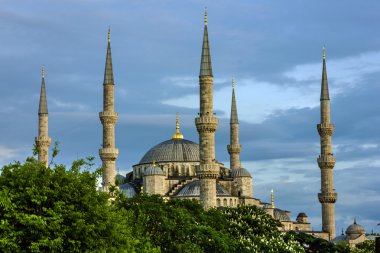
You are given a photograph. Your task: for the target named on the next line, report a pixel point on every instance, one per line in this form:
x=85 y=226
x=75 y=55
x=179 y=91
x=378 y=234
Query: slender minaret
x=234 y=148
x=206 y=125
x=108 y=117
x=326 y=161
x=43 y=140
x=272 y=198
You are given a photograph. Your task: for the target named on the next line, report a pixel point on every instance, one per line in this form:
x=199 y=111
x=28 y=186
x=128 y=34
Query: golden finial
x=118 y=171
x=272 y=198
x=109 y=33
x=154 y=163
x=205 y=18
x=43 y=71
x=324 y=53
x=177 y=134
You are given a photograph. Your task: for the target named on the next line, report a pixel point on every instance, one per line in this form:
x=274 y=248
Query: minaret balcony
x=206 y=124
x=108 y=117
x=108 y=154
x=325 y=129
x=208 y=171
x=43 y=140
x=233 y=148
x=326 y=162
x=327 y=197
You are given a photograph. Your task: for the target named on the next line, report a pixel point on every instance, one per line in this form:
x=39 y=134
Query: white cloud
x=6 y=154
x=69 y=105
x=258 y=100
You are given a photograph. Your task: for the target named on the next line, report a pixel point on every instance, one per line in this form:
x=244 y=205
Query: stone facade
x=108 y=153
x=326 y=161
x=43 y=140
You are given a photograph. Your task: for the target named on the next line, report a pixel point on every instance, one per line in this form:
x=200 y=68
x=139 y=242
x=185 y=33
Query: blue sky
x=271 y=48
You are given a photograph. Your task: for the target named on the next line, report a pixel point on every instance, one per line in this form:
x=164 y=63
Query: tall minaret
x=206 y=125
x=108 y=117
x=43 y=140
x=234 y=147
x=326 y=161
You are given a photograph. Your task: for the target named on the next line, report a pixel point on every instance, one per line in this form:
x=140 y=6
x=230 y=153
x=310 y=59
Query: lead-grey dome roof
x=193 y=189
x=240 y=172
x=173 y=150
x=153 y=170
x=355 y=229
x=128 y=190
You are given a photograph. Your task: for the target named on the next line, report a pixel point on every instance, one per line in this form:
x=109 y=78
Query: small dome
x=240 y=172
x=153 y=170
x=193 y=189
x=173 y=150
x=128 y=190
x=355 y=230
x=120 y=177
x=302 y=215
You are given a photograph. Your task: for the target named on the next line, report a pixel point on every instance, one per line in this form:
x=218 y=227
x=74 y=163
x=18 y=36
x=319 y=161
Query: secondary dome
x=355 y=230
x=173 y=150
x=153 y=170
x=240 y=172
x=193 y=189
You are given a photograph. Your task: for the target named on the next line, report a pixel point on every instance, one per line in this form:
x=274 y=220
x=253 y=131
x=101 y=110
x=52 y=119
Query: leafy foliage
x=183 y=226
x=58 y=210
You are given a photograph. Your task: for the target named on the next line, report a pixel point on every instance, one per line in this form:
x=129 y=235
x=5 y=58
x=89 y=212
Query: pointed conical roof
x=206 y=69
x=234 y=116
x=108 y=72
x=325 y=84
x=43 y=109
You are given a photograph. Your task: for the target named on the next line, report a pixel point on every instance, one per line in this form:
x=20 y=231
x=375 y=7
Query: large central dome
x=173 y=150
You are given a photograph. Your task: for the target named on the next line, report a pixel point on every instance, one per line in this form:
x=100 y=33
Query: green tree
x=60 y=210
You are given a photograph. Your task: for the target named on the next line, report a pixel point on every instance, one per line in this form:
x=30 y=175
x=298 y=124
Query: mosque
x=181 y=168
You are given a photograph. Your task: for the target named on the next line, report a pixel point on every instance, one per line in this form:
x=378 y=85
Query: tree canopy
x=59 y=209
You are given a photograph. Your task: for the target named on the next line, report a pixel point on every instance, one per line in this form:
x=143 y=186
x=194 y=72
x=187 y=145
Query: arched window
x=224 y=202
x=217 y=202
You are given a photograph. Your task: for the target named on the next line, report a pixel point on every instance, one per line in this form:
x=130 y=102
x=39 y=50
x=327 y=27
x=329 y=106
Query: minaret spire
x=108 y=72
x=108 y=153
x=234 y=147
x=206 y=69
x=326 y=161
x=206 y=125
x=43 y=140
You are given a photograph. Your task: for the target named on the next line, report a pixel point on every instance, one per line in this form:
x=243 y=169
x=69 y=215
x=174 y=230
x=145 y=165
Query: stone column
x=206 y=125
x=108 y=153
x=326 y=161
x=43 y=140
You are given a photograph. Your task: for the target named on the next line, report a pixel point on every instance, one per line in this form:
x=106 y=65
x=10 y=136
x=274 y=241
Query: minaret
x=234 y=148
x=272 y=198
x=326 y=161
x=206 y=125
x=108 y=153
x=43 y=140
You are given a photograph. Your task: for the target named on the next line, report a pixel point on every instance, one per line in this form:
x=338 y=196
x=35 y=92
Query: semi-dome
x=173 y=150
x=153 y=170
x=355 y=230
x=193 y=189
x=240 y=172
x=128 y=190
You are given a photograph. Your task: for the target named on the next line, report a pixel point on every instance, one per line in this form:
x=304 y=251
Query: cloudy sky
x=272 y=48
